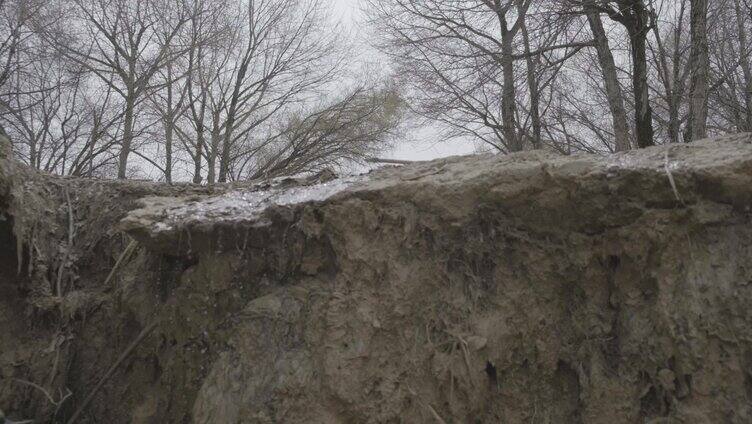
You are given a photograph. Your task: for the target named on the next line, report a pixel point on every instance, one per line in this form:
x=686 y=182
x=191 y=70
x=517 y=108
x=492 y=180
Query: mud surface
x=529 y=288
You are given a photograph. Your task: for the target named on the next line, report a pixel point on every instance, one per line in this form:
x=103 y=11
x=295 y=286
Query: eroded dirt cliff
x=523 y=288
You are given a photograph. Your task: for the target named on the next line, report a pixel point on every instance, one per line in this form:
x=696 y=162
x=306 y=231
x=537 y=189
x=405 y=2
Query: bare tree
x=129 y=40
x=168 y=104
x=700 y=64
x=217 y=90
x=610 y=77
x=286 y=53
x=544 y=64
x=670 y=59
x=460 y=59
x=269 y=55
x=48 y=107
x=347 y=130
x=744 y=60
x=636 y=18
x=19 y=20
x=730 y=93
x=206 y=66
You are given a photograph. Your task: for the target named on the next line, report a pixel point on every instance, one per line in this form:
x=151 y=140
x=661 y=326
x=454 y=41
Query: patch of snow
x=249 y=204
x=673 y=165
x=313 y=193
x=161 y=226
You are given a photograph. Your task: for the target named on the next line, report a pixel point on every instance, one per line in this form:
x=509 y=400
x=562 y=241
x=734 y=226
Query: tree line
x=220 y=90
x=574 y=75
x=204 y=90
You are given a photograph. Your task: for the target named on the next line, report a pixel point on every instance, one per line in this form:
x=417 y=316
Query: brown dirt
x=526 y=288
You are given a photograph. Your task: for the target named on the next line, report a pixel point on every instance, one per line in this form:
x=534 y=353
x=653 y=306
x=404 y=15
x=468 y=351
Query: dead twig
x=56 y=403
x=7 y=421
x=123 y=257
x=38 y=387
x=451 y=389
x=69 y=246
x=390 y=161
x=430 y=408
x=123 y=356
x=32 y=247
x=53 y=372
x=19 y=250
x=58 y=341
x=466 y=356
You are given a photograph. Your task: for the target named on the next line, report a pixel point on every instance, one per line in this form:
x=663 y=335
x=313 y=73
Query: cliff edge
x=521 y=288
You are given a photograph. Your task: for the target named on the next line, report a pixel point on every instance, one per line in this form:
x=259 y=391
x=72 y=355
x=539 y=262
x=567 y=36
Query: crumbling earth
x=525 y=288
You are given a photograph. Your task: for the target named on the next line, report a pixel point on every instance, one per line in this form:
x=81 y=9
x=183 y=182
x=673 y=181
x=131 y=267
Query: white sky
x=346 y=10
x=420 y=144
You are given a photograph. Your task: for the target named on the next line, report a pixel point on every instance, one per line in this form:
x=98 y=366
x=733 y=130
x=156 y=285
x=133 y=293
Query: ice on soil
x=241 y=205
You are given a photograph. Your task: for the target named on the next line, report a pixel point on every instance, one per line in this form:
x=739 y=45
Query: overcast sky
x=346 y=9
x=421 y=144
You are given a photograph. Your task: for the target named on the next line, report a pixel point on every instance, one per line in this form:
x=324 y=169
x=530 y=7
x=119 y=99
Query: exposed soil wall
x=525 y=288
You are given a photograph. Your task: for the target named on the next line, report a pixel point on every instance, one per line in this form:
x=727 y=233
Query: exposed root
x=122 y=259
x=19 y=252
x=123 y=356
x=56 y=403
x=430 y=408
x=466 y=357
x=71 y=235
x=671 y=179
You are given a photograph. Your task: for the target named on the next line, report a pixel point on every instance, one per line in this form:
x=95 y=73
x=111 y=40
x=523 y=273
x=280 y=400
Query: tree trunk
x=678 y=86
x=125 y=148
x=698 y=106
x=643 y=112
x=195 y=56
x=507 y=100
x=197 y=178
x=212 y=153
x=199 y=121
x=673 y=77
x=674 y=127
x=92 y=143
x=611 y=82
x=33 y=155
x=224 y=160
x=168 y=151
x=224 y=157
x=169 y=122
x=532 y=84
x=200 y=140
